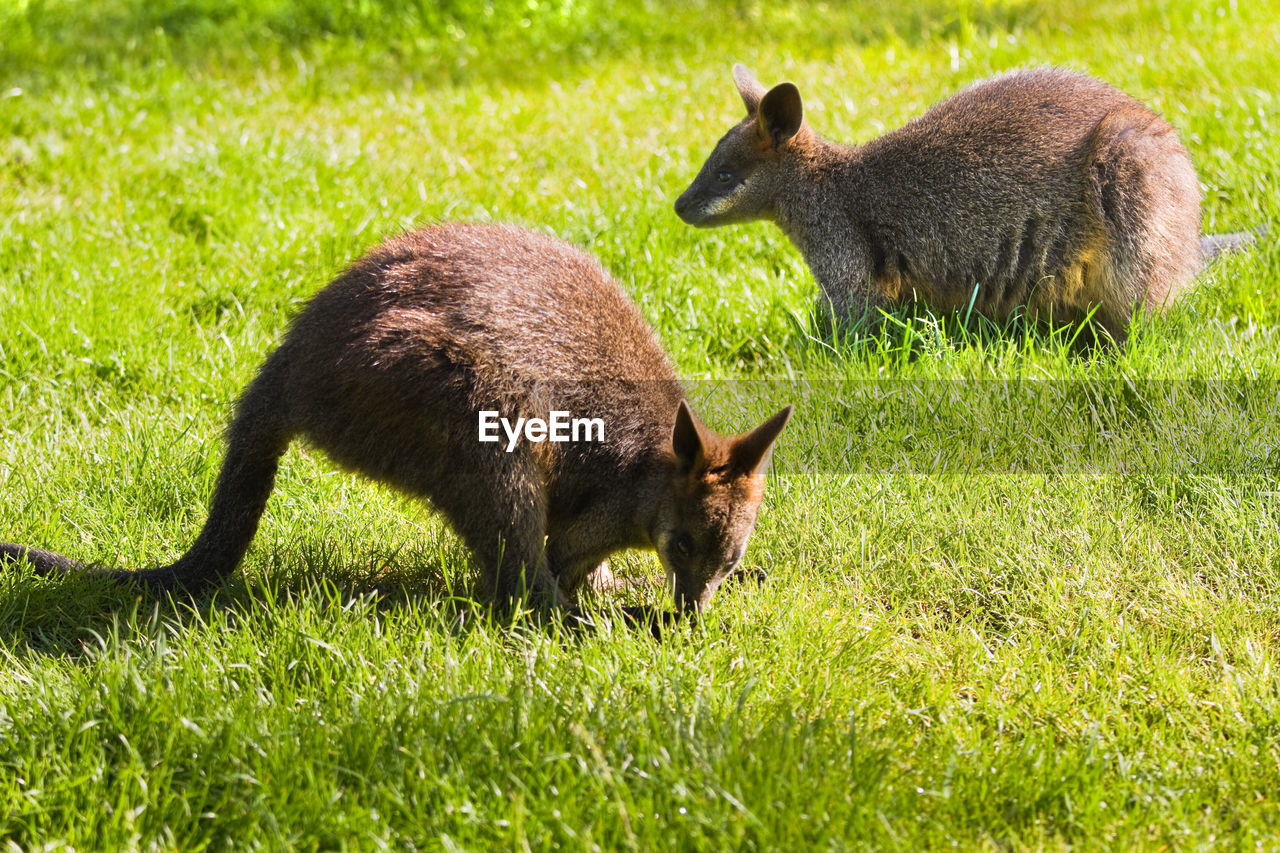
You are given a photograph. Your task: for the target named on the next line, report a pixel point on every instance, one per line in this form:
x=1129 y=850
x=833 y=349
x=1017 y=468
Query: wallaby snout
x=715 y=198
x=686 y=207
x=692 y=597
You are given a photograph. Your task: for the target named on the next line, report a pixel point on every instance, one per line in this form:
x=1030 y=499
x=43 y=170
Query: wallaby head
x=709 y=508
x=741 y=179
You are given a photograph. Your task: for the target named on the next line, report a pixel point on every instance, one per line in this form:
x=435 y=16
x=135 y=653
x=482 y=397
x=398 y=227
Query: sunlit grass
x=1022 y=592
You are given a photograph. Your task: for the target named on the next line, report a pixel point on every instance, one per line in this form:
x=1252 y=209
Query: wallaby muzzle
x=692 y=598
x=687 y=208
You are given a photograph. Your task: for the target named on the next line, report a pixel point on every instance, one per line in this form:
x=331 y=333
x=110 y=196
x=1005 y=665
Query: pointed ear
x=688 y=439
x=750 y=452
x=781 y=113
x=748 y=87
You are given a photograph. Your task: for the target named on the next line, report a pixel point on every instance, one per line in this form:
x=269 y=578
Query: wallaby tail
x=1213 y=245
x=255 y=442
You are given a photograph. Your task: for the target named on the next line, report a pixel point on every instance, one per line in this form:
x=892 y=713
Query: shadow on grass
x=69 y=615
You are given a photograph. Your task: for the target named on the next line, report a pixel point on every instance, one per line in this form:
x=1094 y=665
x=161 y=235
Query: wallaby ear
x=688 y=439
x=748 y=87
x=750 y=452
x=781 y=113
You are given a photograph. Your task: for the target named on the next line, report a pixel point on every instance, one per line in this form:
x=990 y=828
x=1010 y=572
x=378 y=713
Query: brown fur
x=1042 y=189
x=387 y=369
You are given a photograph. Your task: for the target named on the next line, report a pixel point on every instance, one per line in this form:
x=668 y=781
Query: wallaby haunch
x=1039 y=189
x=387 y=369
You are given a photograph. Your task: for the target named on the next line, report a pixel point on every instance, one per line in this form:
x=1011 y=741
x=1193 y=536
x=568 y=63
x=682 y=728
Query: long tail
x=1213 y=245
x=255 y=442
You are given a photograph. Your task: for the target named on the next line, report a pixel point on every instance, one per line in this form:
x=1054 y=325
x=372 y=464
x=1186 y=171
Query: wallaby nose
x=692 y=601
x=687 y=208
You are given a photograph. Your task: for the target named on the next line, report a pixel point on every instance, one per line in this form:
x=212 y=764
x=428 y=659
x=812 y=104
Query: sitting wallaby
x=1040 y=189
x=393 y=370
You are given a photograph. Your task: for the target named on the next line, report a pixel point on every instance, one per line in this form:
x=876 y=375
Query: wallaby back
x=388 y=369
x=1041 y=190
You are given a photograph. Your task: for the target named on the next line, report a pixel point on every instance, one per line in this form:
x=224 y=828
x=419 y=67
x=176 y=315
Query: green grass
x=1019 y=596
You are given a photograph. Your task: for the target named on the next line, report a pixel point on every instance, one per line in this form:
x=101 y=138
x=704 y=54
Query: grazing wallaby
x=1039 y=189
x=405 y=365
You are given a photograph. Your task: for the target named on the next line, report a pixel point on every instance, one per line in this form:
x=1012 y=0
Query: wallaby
x=393 y=369
x=1043 y=190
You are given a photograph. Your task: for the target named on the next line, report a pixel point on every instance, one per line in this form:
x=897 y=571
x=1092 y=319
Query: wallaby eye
x=724 y=176
x=682 y=545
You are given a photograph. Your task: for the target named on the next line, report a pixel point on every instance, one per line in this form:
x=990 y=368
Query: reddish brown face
x=712 y=505
x=709 y=538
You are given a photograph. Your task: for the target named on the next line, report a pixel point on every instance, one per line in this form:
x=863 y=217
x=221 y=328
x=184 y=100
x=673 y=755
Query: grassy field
x=1017 y=596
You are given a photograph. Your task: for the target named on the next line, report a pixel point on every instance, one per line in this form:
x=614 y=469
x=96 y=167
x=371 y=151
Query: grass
x=1018 y=596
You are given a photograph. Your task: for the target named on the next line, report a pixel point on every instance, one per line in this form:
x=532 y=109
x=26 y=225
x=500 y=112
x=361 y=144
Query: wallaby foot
x=601 y=579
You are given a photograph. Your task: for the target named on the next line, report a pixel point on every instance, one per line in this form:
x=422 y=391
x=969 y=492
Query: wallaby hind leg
x=494 y=500
x=511 y=558
x=502 y=518
x=1148 y=199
